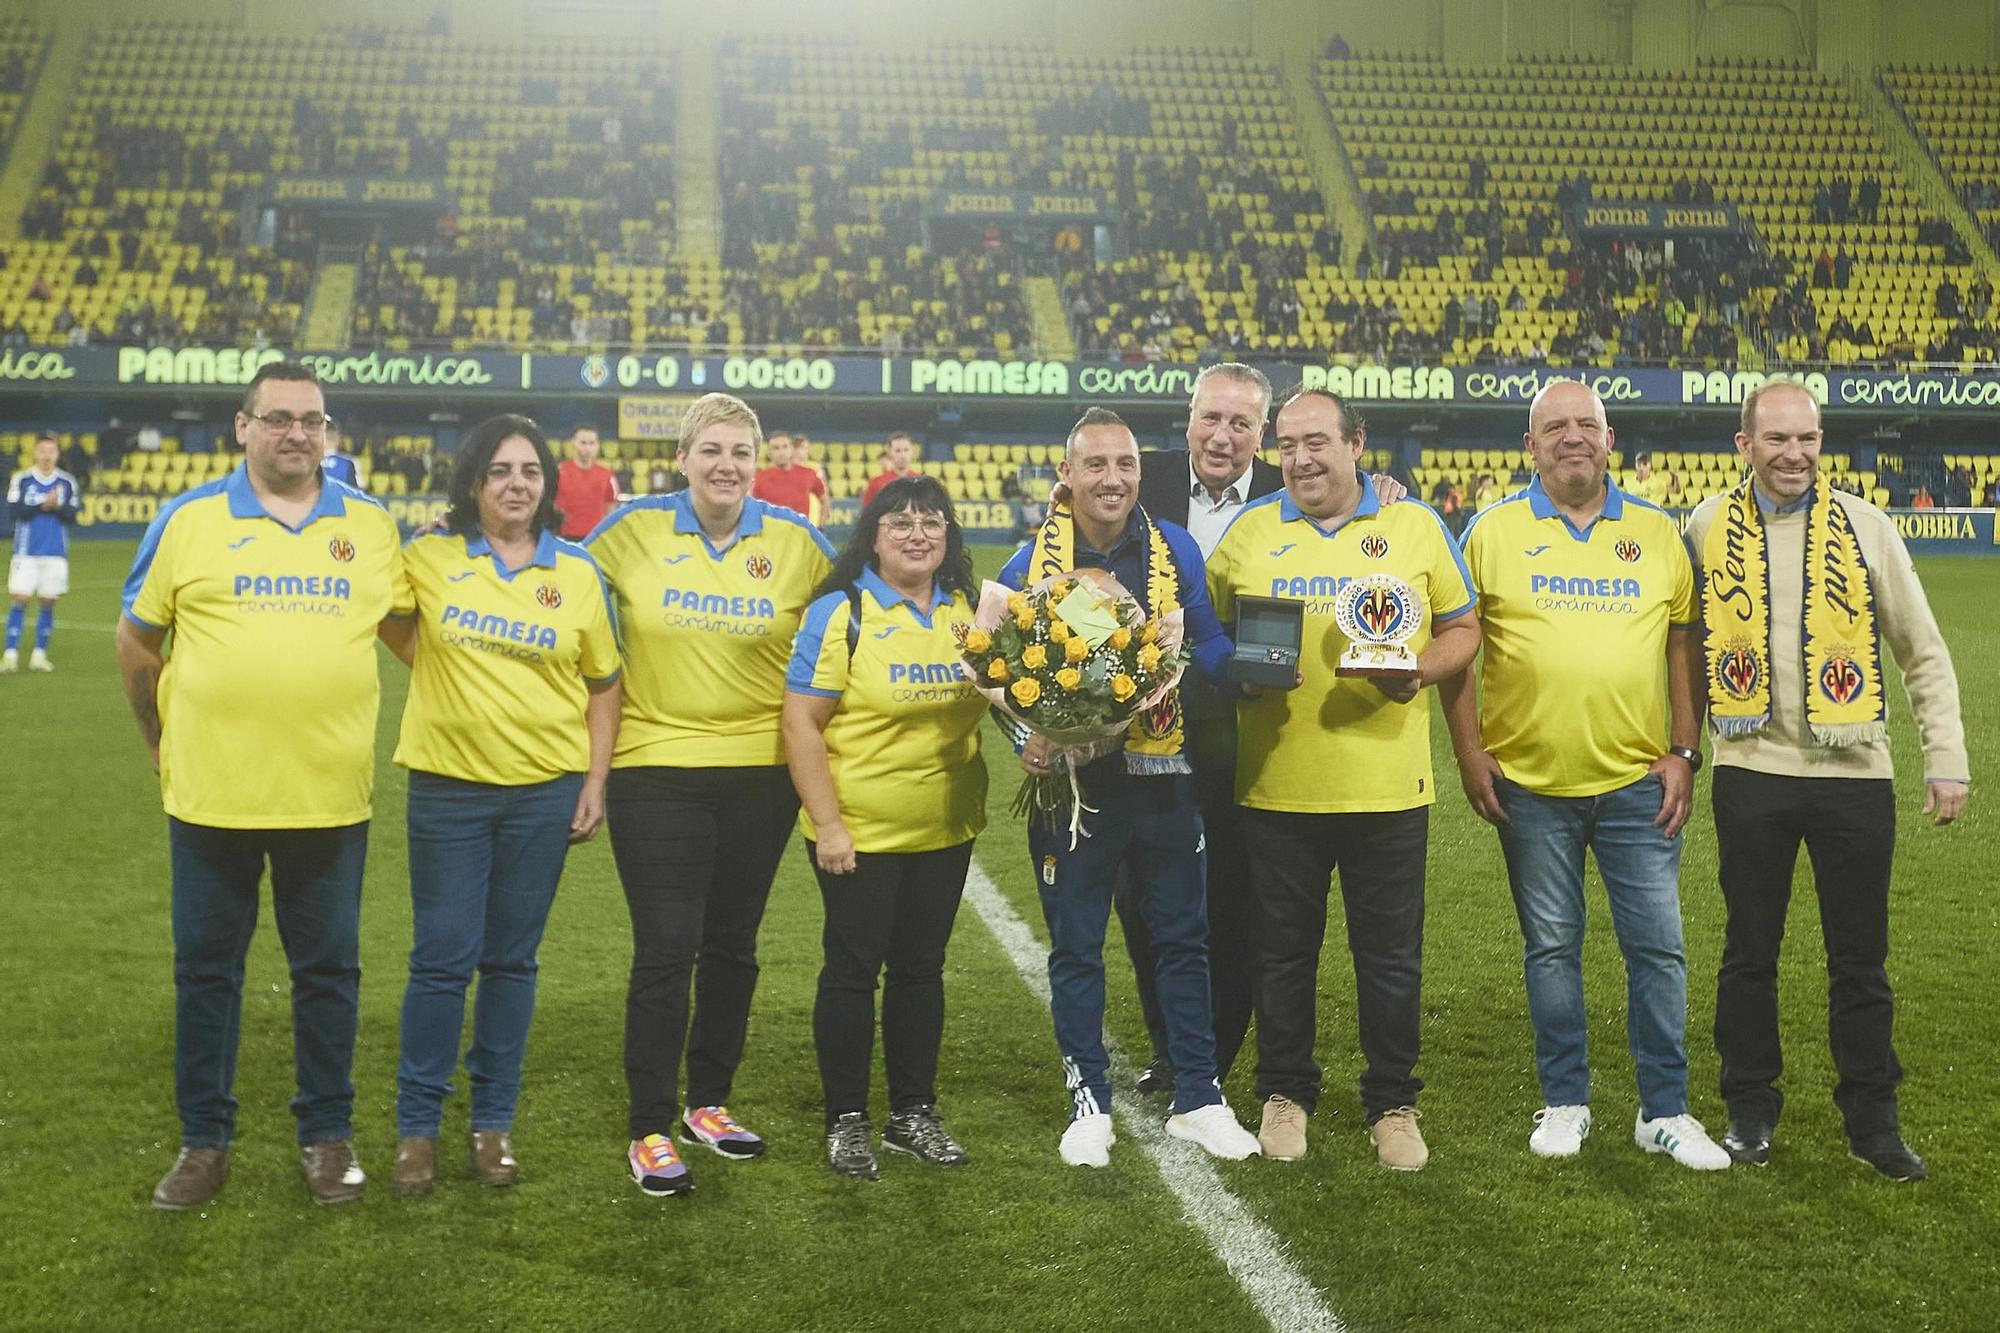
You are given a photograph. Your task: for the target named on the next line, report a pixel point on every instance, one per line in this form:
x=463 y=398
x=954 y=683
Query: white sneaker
x=1088 y=1140
x=1682 y=1138
x=39 y=661
x=1216 y=1130
x=10 y=662
x=1559 y=1131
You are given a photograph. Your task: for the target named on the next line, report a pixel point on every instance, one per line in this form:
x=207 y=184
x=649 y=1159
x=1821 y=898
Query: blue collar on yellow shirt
x=1368 y=508
x=243 y=501
x=1543 y=505
x=544 y=556
x=685 y=519
x=872 y=583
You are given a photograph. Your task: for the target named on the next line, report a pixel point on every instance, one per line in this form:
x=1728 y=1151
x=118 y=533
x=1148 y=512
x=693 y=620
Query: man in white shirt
x=1203 y=490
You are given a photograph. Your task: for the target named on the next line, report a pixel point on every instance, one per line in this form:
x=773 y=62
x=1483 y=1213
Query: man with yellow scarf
x=1144 y=808
x=1802 y=585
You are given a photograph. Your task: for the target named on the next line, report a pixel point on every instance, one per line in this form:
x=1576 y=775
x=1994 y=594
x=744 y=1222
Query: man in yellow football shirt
x=1336 y=774
x=273 y=581
x=1587 y=600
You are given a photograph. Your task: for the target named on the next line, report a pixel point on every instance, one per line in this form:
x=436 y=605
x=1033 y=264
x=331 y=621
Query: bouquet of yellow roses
x=1076 y=659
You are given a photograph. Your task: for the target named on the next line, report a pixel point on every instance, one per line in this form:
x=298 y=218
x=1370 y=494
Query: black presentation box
x=1269 y=632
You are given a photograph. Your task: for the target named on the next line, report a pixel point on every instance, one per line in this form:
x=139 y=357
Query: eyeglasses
x=281 y=422
x=901 y=526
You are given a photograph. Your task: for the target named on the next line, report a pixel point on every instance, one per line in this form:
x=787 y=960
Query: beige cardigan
x=1908 y=629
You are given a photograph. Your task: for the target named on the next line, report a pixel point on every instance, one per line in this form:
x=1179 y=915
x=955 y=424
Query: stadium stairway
x=697 y=188
x=331 y=305
x=1054 y=341
x=42 y=118
x=1325 y=155
x=1920 y=168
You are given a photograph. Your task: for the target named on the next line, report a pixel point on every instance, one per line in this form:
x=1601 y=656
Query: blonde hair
x=717 y=409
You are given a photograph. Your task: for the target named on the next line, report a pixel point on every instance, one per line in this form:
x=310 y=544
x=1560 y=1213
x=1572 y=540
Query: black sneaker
x=1748 y=1143
x=847 y=1148
x=1157 y=1077
x=1889 y=1155
x=920 y=1133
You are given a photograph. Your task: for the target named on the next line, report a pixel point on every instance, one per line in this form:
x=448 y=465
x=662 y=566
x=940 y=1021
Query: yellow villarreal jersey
x=708 y=633
x=498 y=690
x=1335 y=744
x=268 y=701
x=1573 y=685
x=904 y=742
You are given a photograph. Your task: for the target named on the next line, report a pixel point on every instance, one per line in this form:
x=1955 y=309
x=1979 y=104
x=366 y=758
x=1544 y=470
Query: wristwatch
x=1692 y=756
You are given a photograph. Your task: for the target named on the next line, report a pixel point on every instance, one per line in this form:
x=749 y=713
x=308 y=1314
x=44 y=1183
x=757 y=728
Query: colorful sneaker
x=920 y=1133
x=1682 y=1138
x=715 y=1129
x=657 y=1167
x=847 y=1148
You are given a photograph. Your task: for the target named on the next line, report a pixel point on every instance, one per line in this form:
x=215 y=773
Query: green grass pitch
x=1487 y=1237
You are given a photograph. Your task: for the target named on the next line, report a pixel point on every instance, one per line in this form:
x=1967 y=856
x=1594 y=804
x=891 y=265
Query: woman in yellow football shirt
x=709 y=584
x=508 y=734
x=882 y=734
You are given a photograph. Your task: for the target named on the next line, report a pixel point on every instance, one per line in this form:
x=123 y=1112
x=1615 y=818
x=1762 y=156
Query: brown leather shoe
x=333 y=1173
x=416 y=1168
x=196 y=1179
x=493 y=1158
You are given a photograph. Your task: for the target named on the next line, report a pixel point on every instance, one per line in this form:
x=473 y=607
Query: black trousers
x=1848 y=826
x=891 y=919
x=696 y=851
x=1232 y=927
x=1380 y=858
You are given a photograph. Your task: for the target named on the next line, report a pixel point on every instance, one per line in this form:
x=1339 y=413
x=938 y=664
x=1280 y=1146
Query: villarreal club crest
x=1738 y=670
x=1378 y=614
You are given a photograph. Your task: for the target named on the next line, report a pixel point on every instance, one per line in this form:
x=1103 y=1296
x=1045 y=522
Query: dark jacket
x=1163 y=483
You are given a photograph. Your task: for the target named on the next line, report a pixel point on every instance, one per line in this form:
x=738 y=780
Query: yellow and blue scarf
x=1155 y=740
x=1841 y=644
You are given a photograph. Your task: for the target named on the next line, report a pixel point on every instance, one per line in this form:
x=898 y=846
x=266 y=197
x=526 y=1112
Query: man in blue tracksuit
x=1145 y=812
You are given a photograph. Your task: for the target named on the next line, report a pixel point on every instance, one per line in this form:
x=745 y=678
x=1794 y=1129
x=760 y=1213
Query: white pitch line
x=1251 y=1251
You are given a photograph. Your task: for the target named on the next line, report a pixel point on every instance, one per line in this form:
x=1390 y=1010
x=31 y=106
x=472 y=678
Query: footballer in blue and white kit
x=43 y=501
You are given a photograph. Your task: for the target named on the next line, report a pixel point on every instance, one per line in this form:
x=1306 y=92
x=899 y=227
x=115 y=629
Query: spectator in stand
x=340 y=466
x=784 y=482
x=802 y=454
x=1647 y=484
x=898 y=460
x=1958 y=488
x=1449 y=501
x=586 y=490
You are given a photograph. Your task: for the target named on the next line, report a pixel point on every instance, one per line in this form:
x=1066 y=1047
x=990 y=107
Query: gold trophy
x=1379 y=615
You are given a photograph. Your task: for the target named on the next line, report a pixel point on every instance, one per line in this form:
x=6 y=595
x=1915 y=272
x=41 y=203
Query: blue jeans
x=1544 y=843
x=1153 y=825
x=316 y=897
x=484 y=864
